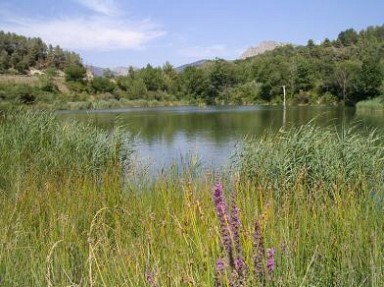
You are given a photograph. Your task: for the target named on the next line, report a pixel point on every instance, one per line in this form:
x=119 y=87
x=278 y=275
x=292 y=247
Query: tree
x=221 y=77
x=152 y=77
x=348 y=37
x=370 y=79
x=4 y=61
x=344 y=74
x=102 y=85
x=310 y=43
x=193 y=82
x=75 y=73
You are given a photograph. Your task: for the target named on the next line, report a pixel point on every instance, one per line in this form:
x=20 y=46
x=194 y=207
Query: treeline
x=345 y=70
x=18 y=54
x=341 y=71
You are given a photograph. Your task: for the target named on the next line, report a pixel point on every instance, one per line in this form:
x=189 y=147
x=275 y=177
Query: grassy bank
x=68 y=229
x=374 y=105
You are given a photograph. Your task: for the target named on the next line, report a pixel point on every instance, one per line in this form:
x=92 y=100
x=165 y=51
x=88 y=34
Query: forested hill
x=349 y=68
x=18 y=54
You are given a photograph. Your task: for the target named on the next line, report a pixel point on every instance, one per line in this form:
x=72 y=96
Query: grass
x=67 y=229
x=373 y=105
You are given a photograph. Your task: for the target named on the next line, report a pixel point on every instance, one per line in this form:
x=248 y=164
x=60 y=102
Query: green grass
x=65 y=229
x=373 y=105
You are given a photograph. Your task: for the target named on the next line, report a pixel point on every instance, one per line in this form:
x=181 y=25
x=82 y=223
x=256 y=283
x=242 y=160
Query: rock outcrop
x=260 y=49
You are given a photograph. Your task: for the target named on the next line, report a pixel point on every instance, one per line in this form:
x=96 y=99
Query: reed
x=373 y=105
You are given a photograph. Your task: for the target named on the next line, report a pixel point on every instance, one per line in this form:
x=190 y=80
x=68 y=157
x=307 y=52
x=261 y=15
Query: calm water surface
x=169 y=135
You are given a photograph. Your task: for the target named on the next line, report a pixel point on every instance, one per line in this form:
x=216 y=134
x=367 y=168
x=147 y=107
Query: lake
x=209 y=135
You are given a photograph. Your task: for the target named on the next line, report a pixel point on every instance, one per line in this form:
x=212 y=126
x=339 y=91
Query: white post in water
x=285 y=109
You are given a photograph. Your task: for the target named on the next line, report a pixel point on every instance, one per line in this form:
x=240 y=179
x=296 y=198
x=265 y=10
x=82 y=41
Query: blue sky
x=110 y=33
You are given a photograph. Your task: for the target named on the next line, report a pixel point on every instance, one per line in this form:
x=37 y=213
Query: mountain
x=194 y=64
x=96 y=71
x=100 y=72
x=120 y=71
x=260 y=49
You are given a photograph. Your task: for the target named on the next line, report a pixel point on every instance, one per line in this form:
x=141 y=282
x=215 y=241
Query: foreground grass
x=71 y=230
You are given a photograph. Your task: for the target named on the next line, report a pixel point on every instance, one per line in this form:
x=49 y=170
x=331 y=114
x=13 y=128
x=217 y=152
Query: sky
x=112 y=33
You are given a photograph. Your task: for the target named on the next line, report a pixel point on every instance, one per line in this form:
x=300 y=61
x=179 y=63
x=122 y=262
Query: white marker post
x=285 y=110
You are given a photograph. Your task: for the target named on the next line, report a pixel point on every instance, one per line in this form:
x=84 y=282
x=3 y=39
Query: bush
x=75 y=73
x=102 y=85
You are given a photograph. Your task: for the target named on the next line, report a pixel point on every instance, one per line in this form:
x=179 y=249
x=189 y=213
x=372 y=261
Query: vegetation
x=18 y=54
x=374 y=105
x=343 y=71
x=303 y=203
x=38 y=145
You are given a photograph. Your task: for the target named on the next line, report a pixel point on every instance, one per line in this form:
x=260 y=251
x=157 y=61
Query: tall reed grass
x=373 y=105
x=326 y=157
x=63 y=231
x=39 y=144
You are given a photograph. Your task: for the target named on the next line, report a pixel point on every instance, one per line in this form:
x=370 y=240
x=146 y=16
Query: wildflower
x=259 y=253
x=270 y=260
x=150 y=279
x=235 y=223
x=240 y=266
x=222 y=214
x=238 y=278
x=220 y=266
x=220 y=272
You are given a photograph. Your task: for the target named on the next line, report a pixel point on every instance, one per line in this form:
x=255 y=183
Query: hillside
x=196 y=64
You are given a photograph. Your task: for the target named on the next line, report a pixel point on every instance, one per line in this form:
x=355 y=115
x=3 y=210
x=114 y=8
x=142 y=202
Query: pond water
x=169 y=135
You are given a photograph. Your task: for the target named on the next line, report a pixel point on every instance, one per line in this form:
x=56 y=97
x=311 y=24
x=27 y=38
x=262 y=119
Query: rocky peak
x=260 y=49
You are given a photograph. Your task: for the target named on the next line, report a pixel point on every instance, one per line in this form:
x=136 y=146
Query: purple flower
x=218 y=193
x=259 y=256
x=220 y=266
x=150 y=279
x=270 y=260
x=224 y=219
x=240 y=265
x=235 y=223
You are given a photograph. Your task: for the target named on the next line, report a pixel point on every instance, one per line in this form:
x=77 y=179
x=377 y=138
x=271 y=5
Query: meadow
x=300 y=207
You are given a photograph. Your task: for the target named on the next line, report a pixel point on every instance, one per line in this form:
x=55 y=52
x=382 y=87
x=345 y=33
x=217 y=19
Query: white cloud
x=87 y=33
x=105 y=7
x=204 y=51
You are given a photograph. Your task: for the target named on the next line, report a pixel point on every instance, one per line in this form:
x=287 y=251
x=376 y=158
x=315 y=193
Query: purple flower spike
x=218 y=193
x=220 y=266
x=224 y=219
x=270 y=260
x=240 y=265
x=235 y=223
x=259 y=252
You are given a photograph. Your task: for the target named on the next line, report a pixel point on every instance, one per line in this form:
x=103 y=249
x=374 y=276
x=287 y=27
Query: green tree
x=193 y=82
x=4 y=61
x=75 y=73
x=152 y=77
x=370 y=79
x=102 y=85
x=345 y=73
x=348 y=37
